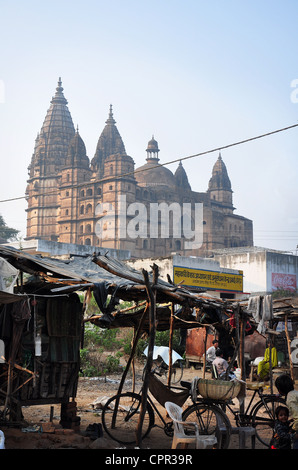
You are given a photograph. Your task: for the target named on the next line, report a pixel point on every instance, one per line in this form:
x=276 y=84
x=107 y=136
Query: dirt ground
x=53 y=436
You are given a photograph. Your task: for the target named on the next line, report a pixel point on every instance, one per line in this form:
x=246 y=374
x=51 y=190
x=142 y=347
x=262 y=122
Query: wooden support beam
x=171 y=346
x=289 y=347
x=205 y=348
x=152 y=329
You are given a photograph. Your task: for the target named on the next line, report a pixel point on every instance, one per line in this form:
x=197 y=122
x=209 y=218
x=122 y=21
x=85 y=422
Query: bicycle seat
x=185 y=384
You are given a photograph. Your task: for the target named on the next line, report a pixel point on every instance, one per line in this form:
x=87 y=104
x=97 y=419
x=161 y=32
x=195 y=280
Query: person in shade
x=282 y=435
x=286 y=387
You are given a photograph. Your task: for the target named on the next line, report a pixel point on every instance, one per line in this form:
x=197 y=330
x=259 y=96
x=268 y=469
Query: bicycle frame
x=245 y=418
x=149 y=399
x=167 y=425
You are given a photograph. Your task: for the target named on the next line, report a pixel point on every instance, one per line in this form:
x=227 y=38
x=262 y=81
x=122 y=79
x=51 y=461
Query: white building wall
x=258 y=265
x=208 y=264
x=284 y=269
x=166 y=266
x=253 y=266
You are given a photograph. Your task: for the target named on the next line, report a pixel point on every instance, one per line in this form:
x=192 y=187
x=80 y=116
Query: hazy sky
x=195 y=74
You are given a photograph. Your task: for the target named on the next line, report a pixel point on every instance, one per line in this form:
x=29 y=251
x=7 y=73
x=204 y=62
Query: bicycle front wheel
x=263 y=418
x=177 y=373
x=120 y=417
x=211 y=421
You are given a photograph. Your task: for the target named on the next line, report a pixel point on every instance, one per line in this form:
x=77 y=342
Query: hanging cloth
x=20 y=313
x=100 y=292
x=260 y=307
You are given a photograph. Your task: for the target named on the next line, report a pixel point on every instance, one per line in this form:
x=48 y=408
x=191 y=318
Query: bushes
x=97 y=356
x=103 y=348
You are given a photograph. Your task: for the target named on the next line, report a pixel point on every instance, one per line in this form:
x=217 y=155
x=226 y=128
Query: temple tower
x=49 y=156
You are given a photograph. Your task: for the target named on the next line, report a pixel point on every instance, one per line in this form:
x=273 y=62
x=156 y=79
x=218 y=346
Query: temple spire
x=111 y=119
x=152 y=150
x=59 y=96
x=109 y=143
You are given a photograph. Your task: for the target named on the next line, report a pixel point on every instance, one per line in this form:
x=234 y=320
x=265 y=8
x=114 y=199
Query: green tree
x=7 y=233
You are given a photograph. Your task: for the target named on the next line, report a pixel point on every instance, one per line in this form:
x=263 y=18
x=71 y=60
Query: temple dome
x=152 y=145
x=152 y=173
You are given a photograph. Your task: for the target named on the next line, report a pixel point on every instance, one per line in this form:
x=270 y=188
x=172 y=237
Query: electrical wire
x=217 y=149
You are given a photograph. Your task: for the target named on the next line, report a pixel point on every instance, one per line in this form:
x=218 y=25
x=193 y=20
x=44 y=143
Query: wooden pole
x=205 y=348
x=132 y=353
x=239 y=344
x=152 y=328
x=171 y=346
x=243 y=322
x=270 y=364
x=133 y=349
x=133 y=362
x=7 y=399
x=237 y=335
x=289 y=347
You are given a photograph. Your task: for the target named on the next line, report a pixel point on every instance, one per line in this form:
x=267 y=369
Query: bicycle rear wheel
x=122 y=425
x=263 y=417
x=211 y=421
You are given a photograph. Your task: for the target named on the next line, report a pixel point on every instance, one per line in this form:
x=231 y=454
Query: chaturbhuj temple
x=105 y=201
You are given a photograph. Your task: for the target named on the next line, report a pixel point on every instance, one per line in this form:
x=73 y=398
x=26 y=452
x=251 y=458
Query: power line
x=217 y=149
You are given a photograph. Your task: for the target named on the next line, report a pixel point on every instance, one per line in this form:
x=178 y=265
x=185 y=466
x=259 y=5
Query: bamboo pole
x=128 y=365
x=133 y=349
x=289 y=347
x=237 y=331
x=133 y=362
x=240 y=332
x=243 y=321
x=205 y=351
x=8 y=396
x=270 y=364
x=171 y=346
x=152 y=328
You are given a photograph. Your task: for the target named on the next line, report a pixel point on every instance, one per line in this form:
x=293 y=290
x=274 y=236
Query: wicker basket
x=218 y=389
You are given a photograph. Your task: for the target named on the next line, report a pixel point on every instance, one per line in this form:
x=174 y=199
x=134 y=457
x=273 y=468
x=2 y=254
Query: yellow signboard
x=208 y=279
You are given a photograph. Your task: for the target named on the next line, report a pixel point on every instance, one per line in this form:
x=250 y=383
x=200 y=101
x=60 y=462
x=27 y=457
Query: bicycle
x=120 y=415
x=161 y=369
x=261 y=415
